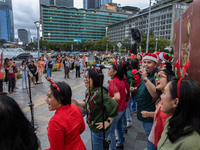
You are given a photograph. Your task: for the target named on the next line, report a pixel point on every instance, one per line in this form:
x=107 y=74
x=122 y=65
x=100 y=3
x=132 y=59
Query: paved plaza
x=134 y=139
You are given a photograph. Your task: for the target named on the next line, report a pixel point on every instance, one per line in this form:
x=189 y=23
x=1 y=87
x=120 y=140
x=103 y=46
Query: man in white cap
x=144 y=99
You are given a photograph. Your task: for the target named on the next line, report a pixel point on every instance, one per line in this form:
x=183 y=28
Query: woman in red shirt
x=67 y=124
x=117 y=91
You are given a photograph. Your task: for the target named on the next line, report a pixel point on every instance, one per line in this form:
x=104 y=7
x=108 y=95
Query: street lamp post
x=156 y=44
x=147 y=46
x=37 y=24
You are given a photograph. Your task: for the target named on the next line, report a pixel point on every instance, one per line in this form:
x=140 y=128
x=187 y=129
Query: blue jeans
x=133 y=103
x=49 y=71
x=147 y=128
x=128 y=111
x=24 y=79
x=124 y=120
x=116 y=124
x=97 y=139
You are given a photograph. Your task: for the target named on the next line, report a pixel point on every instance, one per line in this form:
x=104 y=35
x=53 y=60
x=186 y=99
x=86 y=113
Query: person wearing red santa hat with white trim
x=144 y=99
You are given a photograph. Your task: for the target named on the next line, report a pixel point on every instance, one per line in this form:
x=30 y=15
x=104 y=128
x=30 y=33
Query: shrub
x=18 y=75
x=54 y=69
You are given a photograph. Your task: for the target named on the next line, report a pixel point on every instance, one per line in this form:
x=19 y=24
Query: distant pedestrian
x=81 y=65
x=24 y=74
x=86 y=60
x=72 y=63
x=59 y=59
x=5 y=64
x=11 y=69
x=66 y=66
x=15 y=75
x=33 y=72
x=77 y=63
x=49 y=66
x=40 y=65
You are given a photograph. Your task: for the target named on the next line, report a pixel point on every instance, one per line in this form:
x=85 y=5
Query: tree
x=126 y=42
x=2 y=41
x=161 y=43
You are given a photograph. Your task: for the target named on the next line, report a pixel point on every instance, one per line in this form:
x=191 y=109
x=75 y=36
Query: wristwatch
x=109 y=121
x=145 y=80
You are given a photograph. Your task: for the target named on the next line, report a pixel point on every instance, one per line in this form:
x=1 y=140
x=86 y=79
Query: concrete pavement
x=134 y=139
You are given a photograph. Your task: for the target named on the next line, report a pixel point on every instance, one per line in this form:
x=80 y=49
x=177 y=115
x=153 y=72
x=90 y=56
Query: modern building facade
x=67 y=3
x=91 y=4
x=6 y=20
x=23 y=35
x=103 y=2
x=62 y=24
x=162 y=22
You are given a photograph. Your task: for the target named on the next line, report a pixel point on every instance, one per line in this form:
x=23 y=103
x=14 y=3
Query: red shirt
x=11 y=72
x=136 y=76
x=65 y=128
x=117 y=86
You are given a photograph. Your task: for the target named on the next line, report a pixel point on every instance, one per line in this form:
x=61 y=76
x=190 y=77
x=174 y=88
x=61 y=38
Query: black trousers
x=77 y=71
x=1 y=85
x=11 y=84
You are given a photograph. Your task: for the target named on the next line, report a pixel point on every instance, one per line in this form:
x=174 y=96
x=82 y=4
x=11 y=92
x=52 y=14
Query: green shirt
x=94 y=108
x=144 y=99
x=187 y=142
x=131 y=78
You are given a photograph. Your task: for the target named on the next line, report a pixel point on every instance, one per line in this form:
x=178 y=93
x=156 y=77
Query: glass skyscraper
x=103 y=2
x=67 y=3
x=87 y=4
x=6 y=20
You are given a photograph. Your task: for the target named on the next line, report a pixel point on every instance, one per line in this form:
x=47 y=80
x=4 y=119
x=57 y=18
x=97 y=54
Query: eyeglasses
x=159 y=76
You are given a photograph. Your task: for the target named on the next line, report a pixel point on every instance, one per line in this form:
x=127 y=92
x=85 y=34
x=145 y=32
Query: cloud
x=26 y=12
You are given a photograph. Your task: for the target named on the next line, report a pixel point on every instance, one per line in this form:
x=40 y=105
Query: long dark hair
x=16 y=132
x=118 y=68
x=65 y=93
x=124 y=65
x=187 y=112
x=94 y=75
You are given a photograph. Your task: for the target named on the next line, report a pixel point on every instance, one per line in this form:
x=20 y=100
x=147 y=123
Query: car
x=55 y=55
x=74 y=54
x=21 y=56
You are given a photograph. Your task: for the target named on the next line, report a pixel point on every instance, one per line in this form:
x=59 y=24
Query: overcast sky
x=26 y=12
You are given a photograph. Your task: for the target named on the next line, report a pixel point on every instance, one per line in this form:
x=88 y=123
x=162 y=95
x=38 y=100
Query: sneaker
x=129 y=124
x=24 y=88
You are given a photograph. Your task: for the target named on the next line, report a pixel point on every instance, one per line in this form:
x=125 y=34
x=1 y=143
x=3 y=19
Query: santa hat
x=141 y=54
x=166 y=57
x=150 y=57
x=157 y=53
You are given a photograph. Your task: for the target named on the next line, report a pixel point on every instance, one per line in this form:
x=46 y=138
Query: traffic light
x=136 y=35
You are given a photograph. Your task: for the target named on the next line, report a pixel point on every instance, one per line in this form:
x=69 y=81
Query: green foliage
x=161 y=43
x=126 y=42
x=2 y=41
x=54 y=69
x=18 y=75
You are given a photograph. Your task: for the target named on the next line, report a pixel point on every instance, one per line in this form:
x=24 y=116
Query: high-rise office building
x=29 y=36
x=67 y=3
x=103 y=2
x=91 y=4
x=6 y=20
x=62 y=24
x=23 y=35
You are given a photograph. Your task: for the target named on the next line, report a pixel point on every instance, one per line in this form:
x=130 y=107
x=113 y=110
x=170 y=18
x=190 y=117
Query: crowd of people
x=165 y=101
x=35 y=68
